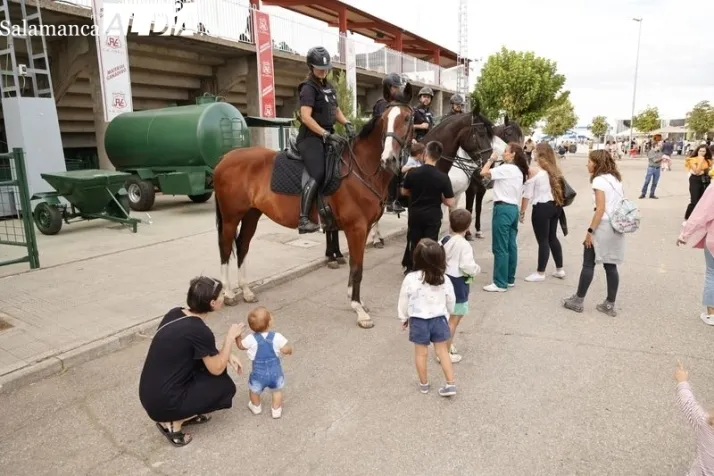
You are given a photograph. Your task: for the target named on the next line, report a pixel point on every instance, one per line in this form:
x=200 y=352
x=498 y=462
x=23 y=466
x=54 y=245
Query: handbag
x=625 y=217
x=569 y=193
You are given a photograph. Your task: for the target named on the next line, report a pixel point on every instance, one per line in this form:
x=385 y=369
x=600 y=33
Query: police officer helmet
x=393 y=80
x=426 y=91
x=457 y=99
x=319 y=58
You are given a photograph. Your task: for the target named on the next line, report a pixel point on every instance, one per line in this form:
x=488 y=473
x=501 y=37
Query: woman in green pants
x=508 y=180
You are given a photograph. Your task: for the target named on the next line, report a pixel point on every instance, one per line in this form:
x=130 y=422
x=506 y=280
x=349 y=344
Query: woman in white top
x=545 y=191
x=508 y=182
x=602 y=243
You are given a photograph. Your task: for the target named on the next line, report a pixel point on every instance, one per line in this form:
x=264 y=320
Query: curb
x=58 y=364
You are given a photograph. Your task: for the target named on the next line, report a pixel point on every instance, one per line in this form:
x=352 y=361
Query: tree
x=701 y=118
x=344 y=99
x=599 y=126
x=647 y=120
x=560 y=118
x=520 y=84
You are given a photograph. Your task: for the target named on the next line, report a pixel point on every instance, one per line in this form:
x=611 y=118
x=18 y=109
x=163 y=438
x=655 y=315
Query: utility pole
x=634 y=88
x=462 y=78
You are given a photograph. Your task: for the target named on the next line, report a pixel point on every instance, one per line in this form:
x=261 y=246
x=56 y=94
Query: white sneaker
x=708 y=320
x=256 y=409
x=455 y=358
x=492 y=288
x=511 y=285
x=559 y=273
x=535 y=277
x=277 y=412
x=452 y=349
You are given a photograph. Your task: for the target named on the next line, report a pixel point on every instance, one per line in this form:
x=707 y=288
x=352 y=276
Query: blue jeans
x=708 y=299
x=426 y=331
x=652 y=174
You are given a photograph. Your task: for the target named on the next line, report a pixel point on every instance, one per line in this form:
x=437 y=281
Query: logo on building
x=263 y=25
x=114 y=42
x=268 y=111
x=266 y=68
x=119 y=100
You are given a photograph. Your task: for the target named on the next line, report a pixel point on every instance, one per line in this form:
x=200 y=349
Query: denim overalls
x=267 y=371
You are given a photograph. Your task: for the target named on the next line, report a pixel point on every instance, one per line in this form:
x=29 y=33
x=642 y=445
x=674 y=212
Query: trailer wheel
x=202 y=198
x=48 y=218
x=141 y=194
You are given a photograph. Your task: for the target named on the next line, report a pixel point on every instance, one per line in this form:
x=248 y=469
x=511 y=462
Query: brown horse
x=244 y=191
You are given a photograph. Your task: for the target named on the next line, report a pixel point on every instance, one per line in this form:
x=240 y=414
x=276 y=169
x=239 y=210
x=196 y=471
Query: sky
x=594 y=43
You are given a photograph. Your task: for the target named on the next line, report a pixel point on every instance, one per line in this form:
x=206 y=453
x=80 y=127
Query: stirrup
x=307 y=226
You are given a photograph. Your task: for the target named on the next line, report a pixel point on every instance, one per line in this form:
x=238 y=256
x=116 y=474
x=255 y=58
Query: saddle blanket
x=288 y=176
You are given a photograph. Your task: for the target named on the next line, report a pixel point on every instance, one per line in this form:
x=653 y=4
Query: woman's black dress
x=175 y=383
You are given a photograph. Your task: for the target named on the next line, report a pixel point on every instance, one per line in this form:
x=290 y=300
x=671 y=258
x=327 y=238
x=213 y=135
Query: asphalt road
x=542 y=390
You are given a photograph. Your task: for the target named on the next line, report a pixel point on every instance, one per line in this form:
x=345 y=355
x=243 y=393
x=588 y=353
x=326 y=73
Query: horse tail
x=219 y=220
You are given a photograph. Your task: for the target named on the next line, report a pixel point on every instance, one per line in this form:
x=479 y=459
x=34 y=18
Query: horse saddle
x=290 y=175
x=291 y=151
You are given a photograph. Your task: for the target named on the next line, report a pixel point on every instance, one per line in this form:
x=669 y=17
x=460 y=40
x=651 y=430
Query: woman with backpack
x=603 y=244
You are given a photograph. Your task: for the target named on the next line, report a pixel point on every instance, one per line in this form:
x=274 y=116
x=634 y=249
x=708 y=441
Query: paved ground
x=541 y=390
x=125 y=279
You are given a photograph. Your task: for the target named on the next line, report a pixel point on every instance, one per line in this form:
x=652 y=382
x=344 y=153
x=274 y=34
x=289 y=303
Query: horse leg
x=332 y=249
x=357 y=240
x=480 y=192
x=470 y=195
x=225 y=247
x=336 y=243
x=377 y=239
x=247 y=230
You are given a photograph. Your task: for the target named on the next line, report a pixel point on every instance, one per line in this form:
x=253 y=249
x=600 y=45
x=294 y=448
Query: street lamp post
x=634 y=88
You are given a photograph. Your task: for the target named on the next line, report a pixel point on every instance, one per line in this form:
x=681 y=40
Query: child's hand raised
x=681 y=374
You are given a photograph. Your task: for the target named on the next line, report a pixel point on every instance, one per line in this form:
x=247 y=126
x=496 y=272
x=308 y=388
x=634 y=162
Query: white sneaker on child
x=256 y=409
x=277 y=412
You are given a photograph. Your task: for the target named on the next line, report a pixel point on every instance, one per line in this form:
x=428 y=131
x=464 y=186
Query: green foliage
x=701 y=118
x=599 y=126
x=520 y=84
x=344 y=100
x=647 y=120
x=560 y=118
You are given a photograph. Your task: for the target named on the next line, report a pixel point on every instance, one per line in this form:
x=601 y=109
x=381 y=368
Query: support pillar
x=437 y=103
x=342 y=25
x=436 y=59
x=100 y=127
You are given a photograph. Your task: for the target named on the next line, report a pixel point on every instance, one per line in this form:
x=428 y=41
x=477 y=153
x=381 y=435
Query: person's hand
x=414 y=141
x=522 y=217
x=405 y=324
x=494 y=156
x=588 y=240
x=350 y=131
x=681 y=374
x=680 y=241
x=235 y=330
x=235 y=363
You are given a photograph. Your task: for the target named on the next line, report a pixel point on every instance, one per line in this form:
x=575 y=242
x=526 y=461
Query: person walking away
x=426 y=298
x=392 y=84
x=427 y=188
x=184 y=376
x=460 y=269
x=264 y=347
x=700 y=420
x=602 y=243
x=508 y=180
x=698 y=231
x=545 y=191
x=654 y=164
x=698 y=165
x=318 y=112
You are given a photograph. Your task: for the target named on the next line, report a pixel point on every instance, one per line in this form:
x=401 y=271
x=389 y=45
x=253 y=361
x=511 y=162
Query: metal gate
x=17 y=228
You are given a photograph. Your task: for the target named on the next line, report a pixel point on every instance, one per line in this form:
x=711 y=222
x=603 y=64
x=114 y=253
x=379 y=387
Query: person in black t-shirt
x=428 y=188
x=184 y=375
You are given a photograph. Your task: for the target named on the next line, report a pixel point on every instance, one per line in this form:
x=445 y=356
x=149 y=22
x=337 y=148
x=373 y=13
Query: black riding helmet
x=319 y=58
x=393 y=80
x=457 y=99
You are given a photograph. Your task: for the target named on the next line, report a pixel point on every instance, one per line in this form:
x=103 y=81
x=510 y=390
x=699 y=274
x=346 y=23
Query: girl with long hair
x=698 y=164
x=508 y=180
x=602 y=243
x=545 y=191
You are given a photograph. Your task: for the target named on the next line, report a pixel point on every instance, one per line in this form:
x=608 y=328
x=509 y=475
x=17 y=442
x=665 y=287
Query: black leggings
x=312 y=151
x=545 y=226
x=588 y=271
x=696 y=190
x=416 y=231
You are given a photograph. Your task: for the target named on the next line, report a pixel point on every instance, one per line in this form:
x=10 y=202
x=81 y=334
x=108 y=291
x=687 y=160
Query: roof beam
x=296 y=3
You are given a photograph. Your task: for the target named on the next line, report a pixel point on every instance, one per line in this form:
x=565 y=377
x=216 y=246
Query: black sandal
x=176 y=438
x=197 y=420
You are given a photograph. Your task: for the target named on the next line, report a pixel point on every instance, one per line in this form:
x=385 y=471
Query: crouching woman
x=184 y=376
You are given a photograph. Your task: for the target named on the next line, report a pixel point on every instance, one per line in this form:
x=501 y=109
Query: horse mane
x=457 y=117
x=368 y=127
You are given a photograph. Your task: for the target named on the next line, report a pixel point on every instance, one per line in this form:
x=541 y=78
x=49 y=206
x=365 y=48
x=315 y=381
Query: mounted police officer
x=392 y=84
x=457 y=104
x=423 y=117
x=318 y=113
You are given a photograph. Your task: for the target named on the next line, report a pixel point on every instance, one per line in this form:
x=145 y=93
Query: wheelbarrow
x=91 y=194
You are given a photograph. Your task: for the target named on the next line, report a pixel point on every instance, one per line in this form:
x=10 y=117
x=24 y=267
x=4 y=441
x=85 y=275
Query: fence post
x=33 y=254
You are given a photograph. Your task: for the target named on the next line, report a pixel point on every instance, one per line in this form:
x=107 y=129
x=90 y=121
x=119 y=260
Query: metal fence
x=17 y=229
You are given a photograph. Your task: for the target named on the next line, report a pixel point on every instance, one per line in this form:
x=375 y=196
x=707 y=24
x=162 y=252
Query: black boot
x=308 y=195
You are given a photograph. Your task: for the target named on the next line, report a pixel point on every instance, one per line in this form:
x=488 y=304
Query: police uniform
x=422 y=114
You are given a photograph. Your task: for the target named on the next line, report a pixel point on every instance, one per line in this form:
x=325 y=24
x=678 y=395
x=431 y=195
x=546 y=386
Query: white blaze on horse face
x=498 y=145
x=390 y=144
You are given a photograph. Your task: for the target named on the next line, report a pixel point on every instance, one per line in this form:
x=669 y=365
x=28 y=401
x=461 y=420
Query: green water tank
x=182 y=136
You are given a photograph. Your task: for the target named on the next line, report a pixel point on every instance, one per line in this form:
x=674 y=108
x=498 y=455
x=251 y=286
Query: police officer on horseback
x=318 y=113
x=457 y=104
x=423 y=117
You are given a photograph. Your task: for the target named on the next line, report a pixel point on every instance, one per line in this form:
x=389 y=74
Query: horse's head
x=511 y=132
x=398 y=129
x=477 y=139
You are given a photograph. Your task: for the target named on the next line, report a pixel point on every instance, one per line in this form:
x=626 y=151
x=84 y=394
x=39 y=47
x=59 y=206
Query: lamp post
x=634 y=88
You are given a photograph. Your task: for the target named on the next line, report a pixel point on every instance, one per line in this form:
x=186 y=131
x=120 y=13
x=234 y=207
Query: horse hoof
x=366 y=323
x=333 y=265
x=341 y=260
x=230 y=301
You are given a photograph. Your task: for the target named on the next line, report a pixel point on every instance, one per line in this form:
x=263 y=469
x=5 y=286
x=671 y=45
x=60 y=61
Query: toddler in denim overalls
x=264 y=348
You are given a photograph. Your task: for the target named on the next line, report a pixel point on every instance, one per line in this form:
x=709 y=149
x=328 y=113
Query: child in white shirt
x=460 y=269
x=264 y=348
x=425 y=300
x=416 y=158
